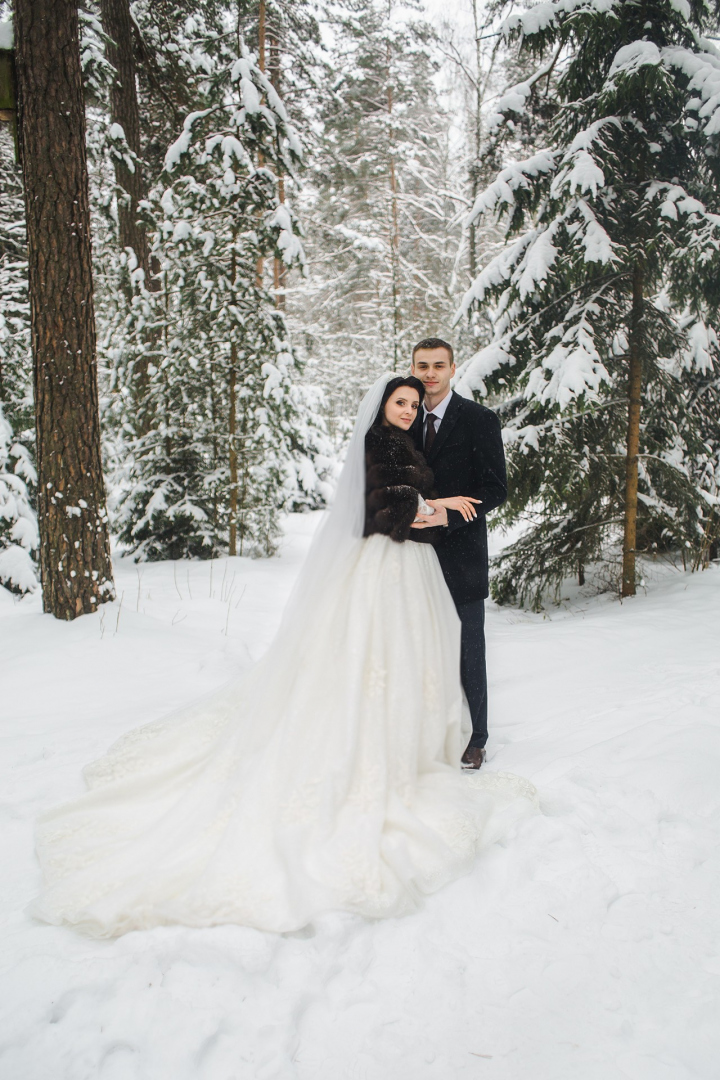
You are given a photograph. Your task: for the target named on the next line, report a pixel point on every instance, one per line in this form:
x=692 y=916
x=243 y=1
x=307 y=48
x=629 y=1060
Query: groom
x=462 y=444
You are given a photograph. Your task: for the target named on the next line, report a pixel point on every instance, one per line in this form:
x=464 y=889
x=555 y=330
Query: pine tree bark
x=633 y=434
x=125 y=111
x=232 y=426
x=260 y=265
x=233 y=454
x=75 y=565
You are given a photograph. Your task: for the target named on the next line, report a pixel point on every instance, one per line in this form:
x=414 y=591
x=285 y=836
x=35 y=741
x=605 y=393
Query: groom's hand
x=431 y=521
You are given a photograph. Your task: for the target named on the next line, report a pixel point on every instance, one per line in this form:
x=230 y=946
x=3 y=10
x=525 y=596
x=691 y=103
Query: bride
x=327 y=777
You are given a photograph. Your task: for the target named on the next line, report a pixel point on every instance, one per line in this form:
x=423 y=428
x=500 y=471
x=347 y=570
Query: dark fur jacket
x=395 y=473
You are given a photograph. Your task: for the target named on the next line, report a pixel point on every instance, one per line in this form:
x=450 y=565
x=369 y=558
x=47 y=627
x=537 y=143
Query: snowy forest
x=220 y=222
x=283 y=196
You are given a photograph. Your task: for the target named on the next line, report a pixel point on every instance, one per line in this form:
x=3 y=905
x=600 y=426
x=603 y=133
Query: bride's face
x=401 y=407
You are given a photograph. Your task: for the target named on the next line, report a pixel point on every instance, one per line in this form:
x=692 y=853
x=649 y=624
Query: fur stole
x=395 y=474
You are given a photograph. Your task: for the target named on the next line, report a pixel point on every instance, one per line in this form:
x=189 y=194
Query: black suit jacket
x=467 y=458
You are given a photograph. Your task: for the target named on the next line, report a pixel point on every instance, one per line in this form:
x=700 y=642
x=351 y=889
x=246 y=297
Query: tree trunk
x=75 y=565
x=394 y=222
x=260 y=265
x=232 y=425
x=279 y=267
x=475 y=167
x=633 y=435
x=233 y=455
x=124 y=110
x=117 y=24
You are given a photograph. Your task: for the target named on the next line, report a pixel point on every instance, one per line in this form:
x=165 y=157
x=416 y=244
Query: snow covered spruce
x=229 y=437
x=603 y=363
x=18 y=522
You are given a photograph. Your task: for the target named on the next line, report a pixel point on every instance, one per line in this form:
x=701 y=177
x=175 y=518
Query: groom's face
x=434 y=370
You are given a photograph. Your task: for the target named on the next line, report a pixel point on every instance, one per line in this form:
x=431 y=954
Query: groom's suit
x=467 y=458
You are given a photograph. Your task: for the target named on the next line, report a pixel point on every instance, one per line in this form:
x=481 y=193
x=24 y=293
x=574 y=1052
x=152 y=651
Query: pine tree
x=285 y=35
x=131 y=186
x=234 y=441
x=15 y=351
x=18 y=521
x=19 y=538
x=604 y=294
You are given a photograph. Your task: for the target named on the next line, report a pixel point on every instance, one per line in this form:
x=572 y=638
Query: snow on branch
x=497 y=271
x=518 y=176
x=578 y=169
x=182 y=143
x=243 y=71
x=514 y=99
x=595 y=240
x=702 y=347
x=630 y=58
x=703 y=70
x=287 y=240
x=574 y=364
x=541 y=17
x=705 y=237
x=472 y=374
x=539 y=258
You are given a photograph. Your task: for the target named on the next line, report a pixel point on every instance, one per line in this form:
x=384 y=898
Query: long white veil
x=259 y=693
x=339 y=534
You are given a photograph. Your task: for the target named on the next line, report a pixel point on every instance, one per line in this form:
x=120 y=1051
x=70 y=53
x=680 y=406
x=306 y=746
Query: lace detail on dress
x=302 y=803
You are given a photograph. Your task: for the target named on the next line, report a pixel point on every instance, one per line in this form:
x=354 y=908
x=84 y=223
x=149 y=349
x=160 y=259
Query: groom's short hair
x=434 y=343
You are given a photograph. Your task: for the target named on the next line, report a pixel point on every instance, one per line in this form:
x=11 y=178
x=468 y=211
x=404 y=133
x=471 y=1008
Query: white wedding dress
x=326 y=778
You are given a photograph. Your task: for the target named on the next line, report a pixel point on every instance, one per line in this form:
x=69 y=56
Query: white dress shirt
x=438 y=411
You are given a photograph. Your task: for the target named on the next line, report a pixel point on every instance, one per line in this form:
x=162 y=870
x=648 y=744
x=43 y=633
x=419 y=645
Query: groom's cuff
x=455 y=520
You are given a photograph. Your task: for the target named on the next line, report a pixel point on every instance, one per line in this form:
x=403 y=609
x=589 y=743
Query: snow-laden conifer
x=233 y=440
x=383 y=227
x=18 y=522
x=604 y=293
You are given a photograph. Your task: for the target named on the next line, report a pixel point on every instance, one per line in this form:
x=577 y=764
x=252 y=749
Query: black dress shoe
x=473 y=757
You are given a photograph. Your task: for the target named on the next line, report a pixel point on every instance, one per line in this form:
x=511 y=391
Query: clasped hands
x=462 y=503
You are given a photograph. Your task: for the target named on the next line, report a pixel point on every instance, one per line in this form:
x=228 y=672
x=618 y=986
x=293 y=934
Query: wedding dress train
x=326 y=778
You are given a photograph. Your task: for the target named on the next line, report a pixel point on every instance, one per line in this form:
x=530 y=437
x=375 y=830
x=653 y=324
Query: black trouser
x=472 y=667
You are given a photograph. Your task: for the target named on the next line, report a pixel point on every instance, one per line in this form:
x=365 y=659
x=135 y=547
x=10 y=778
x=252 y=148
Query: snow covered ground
x=584 y=948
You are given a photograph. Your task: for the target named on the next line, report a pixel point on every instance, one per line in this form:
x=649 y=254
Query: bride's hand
x=462 y=503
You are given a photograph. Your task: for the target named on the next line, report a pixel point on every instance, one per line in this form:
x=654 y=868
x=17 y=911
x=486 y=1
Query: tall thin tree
x=124 y=110
x=132 y=236
x=75 y=565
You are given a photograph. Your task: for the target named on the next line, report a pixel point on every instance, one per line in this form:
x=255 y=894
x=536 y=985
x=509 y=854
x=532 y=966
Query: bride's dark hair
x=392 y=386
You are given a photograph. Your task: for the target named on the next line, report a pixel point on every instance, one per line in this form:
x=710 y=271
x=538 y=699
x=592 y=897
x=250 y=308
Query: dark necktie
x=430 y=431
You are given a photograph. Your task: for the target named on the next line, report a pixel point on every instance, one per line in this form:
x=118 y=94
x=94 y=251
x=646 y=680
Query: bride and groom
x=329 y=776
